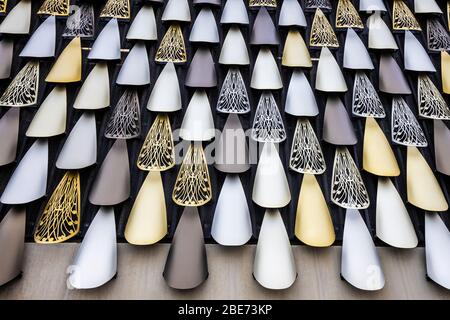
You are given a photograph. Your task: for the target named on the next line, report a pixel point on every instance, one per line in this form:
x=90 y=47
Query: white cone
x=42 y=42
x=355 y=53
x=107 y=44
x=135 y=70
x=144 y=25
x=416 y=58
x=166 y=96
x=300 y=99
x=266 y=75
x=198 y=123
x=205 y=27
x=234 y=49
x=329 y=77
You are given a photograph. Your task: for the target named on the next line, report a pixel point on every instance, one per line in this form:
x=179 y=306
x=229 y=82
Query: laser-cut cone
x=166 y=96
x=201 y=72
x=94 y=93
x=347 y=16
x=24 y=88
x=262 y=3
x=378 y=156
x=438 y=38
x=264 y=31
x=322 y=33
x=3 y=5
x=426 y=6
x=60 y=219
x=81 y=22
x=295 y=52
x=186 y=265
x=300 y=99
x=371 y=5
x=107 y=43
x=42 y=43
x=6 y=56
x=172 y=47
x=405 y=129
x=355 y=53
x=337 y=126
x=416 y=58
x=432 y=104
x=135 y=70
x=176 y=10
x=291 y=14
x=393 y=224
x=423 y=188
x=211 y=2
x=232 y=155
x=198 y=122
x=274 y=264
x=158 y=152
x=329 y=77
x=234 y=49
x=313 y=224
x=12 y=244
x=50 y=119
x=360 y=263
x=268 y=124
x=445 y=71
x=147 y=223
x=437 y=250
x=80 y=148
x=322 y=4
x=233 y=97
x=231 y=225
x=234 y=12
x=403 y=18
x=112 y=183
x=29 y=180
x=67 y=68
x=144 y=25
x=441 y=147
x=205 y=27
x=125 y=120
x=266 y=75
x=380 y=36
x=95 y=262
x=119 y=9
x=55 y=7
x=9 y=131
x=270 y=187
x=391 y=78
x=365 y=100
x=18 y=19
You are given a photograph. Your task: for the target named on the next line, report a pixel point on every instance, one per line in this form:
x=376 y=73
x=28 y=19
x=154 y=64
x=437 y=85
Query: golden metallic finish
x=423 y=188
x=60 y=220
x=55 y=7
x=67 y=67
x=172 y=47
x=306 y=153
x=193 y=186
x=3 y=4
x=23 y=90
x=431 y=103
x=378 y=157
x=403 y=18
x=262 y=3
x=445 y=71
x=347 y=16
x=157 y=152
x=313 y=224
x=295 y=53
x=147 y=223
x=119 y=9
x=322 y=33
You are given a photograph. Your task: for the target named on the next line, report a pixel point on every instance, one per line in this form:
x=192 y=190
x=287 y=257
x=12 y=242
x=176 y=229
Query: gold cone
x=3 y=4
x=67 y=67
x=157 y=152
x=193 y=186
x=61 y=217
x=55 y=7
x=262 y=3
x=119 y=9
x=295 y=53
x=378 y=157
x=403 y=18
x=445 y=71
x=313 y=224
x=347 y=16
x=172 y=48
x=147 y=223
x=322 y=33
x=23 y=90
x=424 y=190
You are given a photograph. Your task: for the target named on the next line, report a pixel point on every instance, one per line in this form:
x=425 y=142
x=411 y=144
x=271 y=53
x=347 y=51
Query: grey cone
x=186 y=265
x=12 y=244
x=201 y=72
x=6 y=56
x=264 y=31
x=232 y=149
x=391 y=78
x=9 y=131
x=442 y=147
x=112 y=184
x=337 y=127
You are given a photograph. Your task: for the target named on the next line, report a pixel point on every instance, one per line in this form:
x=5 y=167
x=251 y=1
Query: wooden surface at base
x=140 y=276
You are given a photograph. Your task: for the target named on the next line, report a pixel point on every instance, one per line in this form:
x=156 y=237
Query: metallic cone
x=201 y=72
x=431 y=103
x=67 y=68
x=233 y=97
x=81 y=22
x=264 y=31
x=6 y=56
x=337 y=126
x=268 y=124
x=441 y=147
x=9 y=131
x=405 y=129
x=24 y=88
x=295 y=52
x=366 y=102
x=125 y=120
x=392 y=80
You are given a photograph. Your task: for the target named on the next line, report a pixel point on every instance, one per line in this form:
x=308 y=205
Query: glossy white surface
x=266 y=75
x=234 y=49
x=135 y=70
x=205 y=27
x=300 y=98
x=291 y=14
x=415 y=56
x=356 y=55
x=143 y=26
x=107 y=44
x=198 y=122
x=166 y=96
x=42 y=43
x=329 y=76
x=234 y=11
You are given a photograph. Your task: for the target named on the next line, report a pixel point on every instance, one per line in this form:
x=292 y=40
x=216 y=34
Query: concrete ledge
x=140 y=276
